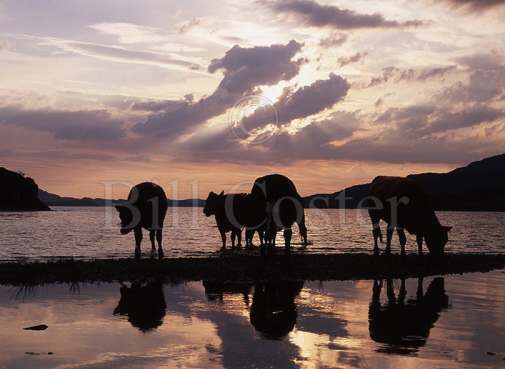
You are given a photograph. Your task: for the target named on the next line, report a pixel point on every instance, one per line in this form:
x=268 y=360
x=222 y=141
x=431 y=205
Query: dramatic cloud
x=415 y=122
x=474 y=5
x=484 y=86
x=84 y=125
x=344 y=60
x=311 y=13
x=244 y=70
x=399 y=75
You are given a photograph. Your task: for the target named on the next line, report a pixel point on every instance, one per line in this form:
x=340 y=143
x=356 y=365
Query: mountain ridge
x=479 y=186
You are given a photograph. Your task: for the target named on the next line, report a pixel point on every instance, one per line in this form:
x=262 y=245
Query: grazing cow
x=403 y=204
x=146 y=208
x=282 y=206
x=233 y=212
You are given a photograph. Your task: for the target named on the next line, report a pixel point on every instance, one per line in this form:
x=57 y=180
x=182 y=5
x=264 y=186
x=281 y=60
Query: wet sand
x=232 y=267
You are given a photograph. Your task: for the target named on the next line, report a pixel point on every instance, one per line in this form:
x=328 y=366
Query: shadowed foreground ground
x=247 y=268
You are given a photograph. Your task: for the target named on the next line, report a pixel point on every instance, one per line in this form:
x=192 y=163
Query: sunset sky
x=207 y=95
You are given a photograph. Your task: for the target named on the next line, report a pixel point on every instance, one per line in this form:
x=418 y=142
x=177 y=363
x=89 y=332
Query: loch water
x=450 y=321
x=93 y=233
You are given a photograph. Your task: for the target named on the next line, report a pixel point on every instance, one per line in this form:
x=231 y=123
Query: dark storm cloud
x=84 y=125
x=398 y=75
x=311 y=13
x=244 y=69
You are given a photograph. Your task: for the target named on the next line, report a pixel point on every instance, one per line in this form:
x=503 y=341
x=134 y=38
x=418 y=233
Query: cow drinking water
x=403 y=204
x=146 y=208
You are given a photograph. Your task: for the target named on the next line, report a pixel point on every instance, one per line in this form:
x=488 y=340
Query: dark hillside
x=480 y=186
x=18 y=193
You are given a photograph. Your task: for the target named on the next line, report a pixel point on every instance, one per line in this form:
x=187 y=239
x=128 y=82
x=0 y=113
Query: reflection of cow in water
x=143 y=305
x=233 y=212
x=215 y=291
x=146 y=208
x=403 y=204
x=273 y=310
x=282 y=206
x=405 y=326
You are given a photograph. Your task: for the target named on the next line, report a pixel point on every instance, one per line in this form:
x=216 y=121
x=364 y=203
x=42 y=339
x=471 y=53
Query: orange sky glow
x=199 y=97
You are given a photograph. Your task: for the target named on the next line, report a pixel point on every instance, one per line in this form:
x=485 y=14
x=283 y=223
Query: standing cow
x=403 y=204
x=146 y=208
x=282 y=206
x=234 y=212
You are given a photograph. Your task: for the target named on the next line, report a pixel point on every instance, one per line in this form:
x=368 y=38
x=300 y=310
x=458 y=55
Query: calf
x=233 y=212
x=146 y=208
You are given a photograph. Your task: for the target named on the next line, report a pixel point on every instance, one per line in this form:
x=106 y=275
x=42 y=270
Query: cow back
x=151 y=201
x=404 y=201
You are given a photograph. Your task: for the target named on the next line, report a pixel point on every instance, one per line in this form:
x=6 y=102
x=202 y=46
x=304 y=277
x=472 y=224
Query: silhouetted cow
x=403 y=204
x=404 y=326
x=146 y=208
x=282 y=206
x=233 y=212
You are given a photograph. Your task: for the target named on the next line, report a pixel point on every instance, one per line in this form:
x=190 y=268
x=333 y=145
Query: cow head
x=436 y=240
x=126 y=216
x=213 y=202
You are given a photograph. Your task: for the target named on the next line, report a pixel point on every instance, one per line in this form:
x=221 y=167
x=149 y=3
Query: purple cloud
x=244 y=70
x=311 y=13
x=474 y=5
x=84 y=125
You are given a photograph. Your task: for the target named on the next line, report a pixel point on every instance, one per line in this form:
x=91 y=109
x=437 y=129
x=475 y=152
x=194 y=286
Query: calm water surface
x=93 y=232
x=445 y=322
x=439 y=322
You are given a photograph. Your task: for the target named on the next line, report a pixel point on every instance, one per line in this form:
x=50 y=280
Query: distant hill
x=480 y=186
x=18 y=193
x=51 y=199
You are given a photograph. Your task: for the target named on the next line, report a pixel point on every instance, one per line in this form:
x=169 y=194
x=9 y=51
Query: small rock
x=490 y=353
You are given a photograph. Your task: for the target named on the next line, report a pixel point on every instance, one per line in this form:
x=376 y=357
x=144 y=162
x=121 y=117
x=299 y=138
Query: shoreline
x=246 y=268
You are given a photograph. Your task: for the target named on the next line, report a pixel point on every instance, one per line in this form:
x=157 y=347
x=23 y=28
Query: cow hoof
x=137 y=254
x=160 y=254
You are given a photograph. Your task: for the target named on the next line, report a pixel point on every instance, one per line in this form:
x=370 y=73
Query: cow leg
x=303 y=231
x=403 y=239
x=233 y=236
x=389 y=236
x=377 y=234
x=138 y=240
x=239 y=238
x=158 y=239
x=223 y=240
x=288 y=233
x=420 y=244
x=152 y=234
